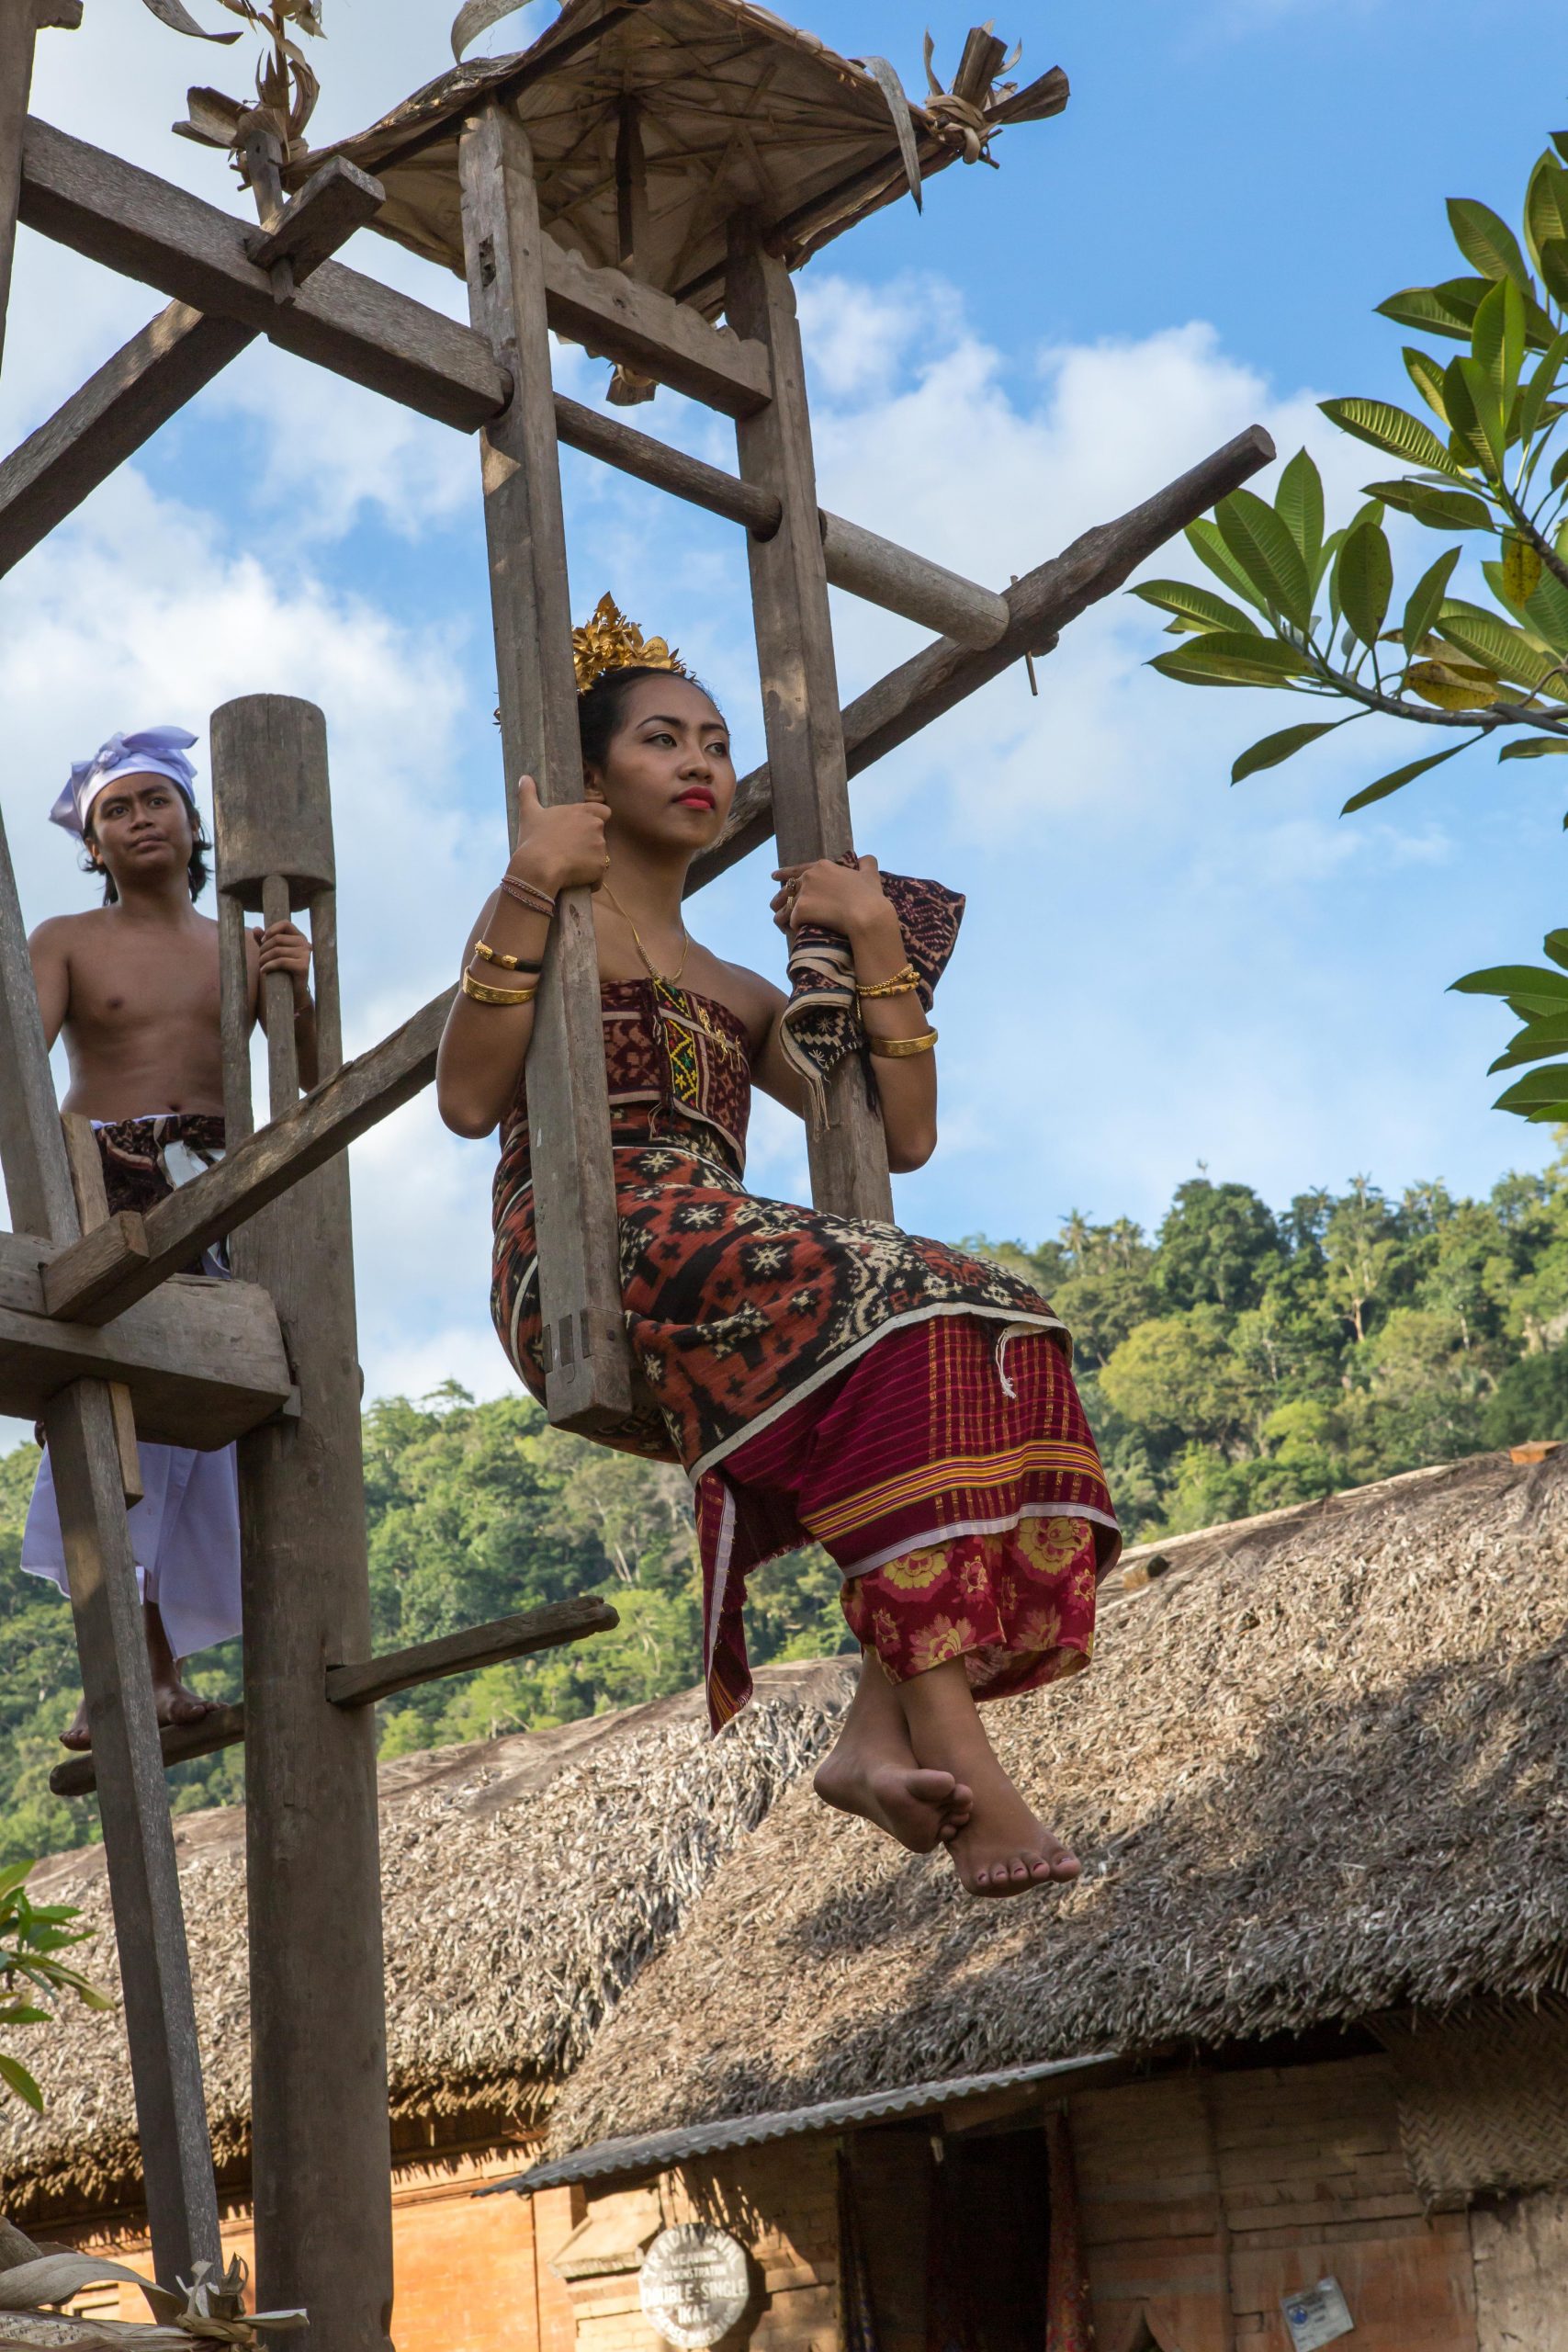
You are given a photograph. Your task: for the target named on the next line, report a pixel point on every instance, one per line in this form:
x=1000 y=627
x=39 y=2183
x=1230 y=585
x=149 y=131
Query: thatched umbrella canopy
x=526 y=1880
x=734 y=109
x=1316 y=1773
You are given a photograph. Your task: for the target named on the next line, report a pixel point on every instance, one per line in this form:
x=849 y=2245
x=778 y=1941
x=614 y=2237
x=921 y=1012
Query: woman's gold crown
x=610 y=641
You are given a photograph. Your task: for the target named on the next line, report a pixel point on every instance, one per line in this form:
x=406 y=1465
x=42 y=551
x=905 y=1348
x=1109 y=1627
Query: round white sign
x=694 y=2284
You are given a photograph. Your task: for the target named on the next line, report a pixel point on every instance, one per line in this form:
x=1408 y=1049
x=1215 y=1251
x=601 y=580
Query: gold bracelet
x=483 y=994
x=902 y=983
x=898 y=1049
x=489 y=954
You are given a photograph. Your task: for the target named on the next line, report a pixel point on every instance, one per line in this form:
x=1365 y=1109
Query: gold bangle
x=902 y=983
x=489 y=954
x=483 y=994
x=898 y=1049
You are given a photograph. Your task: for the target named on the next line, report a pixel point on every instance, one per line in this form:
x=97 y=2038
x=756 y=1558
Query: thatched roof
x=526 y=1880
x=735 y=107
x=1316 y=1773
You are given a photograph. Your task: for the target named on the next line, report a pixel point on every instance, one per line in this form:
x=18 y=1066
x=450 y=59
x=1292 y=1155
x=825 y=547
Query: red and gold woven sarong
x=819 y=1377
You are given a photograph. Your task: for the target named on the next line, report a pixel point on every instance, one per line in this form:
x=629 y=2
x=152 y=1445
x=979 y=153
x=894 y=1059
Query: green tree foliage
x=1319 y=614
x=32 y=1937
x=1240 y=1361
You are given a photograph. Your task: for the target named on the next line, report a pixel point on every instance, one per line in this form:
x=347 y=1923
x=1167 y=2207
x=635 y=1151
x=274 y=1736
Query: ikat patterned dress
x=822 y=1379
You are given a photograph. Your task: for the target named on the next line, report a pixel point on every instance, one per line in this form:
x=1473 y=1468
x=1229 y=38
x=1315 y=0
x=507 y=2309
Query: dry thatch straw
x=1315 y=1773
x=526 y=1881
x=735 y=110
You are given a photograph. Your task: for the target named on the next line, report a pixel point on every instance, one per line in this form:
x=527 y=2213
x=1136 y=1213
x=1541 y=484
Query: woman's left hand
x=846 y=899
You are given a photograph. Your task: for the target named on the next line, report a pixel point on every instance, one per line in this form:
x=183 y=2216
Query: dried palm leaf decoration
x=286 y=89
x=476 y=17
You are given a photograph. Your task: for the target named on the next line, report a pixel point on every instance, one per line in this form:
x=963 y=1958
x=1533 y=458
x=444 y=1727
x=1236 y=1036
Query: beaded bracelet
x=483 y=994
x=898 y=1049
x=489 y=954
x=902 y=983
x=529 y=895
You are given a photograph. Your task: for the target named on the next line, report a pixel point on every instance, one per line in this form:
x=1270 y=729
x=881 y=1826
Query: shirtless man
x=133 y=987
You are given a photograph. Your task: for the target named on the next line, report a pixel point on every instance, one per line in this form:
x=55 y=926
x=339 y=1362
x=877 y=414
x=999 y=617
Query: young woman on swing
x=908 y=1406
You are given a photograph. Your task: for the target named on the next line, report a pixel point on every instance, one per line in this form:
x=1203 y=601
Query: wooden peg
x=277 y=997
x=93 y=1208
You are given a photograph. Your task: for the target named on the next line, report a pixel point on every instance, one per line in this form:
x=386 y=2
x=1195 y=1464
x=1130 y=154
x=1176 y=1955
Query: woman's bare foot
x=173 y=1704
x=874 y=1771
x=1001 y=1849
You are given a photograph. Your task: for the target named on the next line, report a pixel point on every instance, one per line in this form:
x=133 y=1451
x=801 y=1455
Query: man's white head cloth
x=157 y=750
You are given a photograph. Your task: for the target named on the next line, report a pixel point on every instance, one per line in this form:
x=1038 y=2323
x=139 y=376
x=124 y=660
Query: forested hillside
x=1237 y=1359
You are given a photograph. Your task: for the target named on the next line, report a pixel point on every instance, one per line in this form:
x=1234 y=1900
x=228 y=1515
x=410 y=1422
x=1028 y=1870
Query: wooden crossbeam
x=84 y=1285
x=219 y=272
x=48 y=475
x=178 y=1743
x=174 y=357
x=549 y=1628
x=536 y=1629
x=615 y=317
x=1039 y=606
x=203 y=1361
x=146 y=228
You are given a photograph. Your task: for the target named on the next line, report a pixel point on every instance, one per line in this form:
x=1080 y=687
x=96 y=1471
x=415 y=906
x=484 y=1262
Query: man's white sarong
x=186 y=1536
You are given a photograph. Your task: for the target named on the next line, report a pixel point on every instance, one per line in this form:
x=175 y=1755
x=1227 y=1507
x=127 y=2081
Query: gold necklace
x=660 y=979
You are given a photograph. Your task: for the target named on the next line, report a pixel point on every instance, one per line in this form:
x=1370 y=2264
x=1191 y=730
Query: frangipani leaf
x=1440 y=510
x=1521 y=568
x=1262 y=546
x=1541 y=1090
x=1426 y=600
x=1513 y=979
x=1190 y=603
x=1222 y=658
x=1428 y=377
x=1298 y=503
x=1391 y=428
x=1556 y=945
x=1210 y=548
x=1401 y=776
x=1452 y=687
x=1272 y=749
x=1436 y=309
x=1546 y=206
x=1487 y=243
x=1364 y=578
x=1534 y=747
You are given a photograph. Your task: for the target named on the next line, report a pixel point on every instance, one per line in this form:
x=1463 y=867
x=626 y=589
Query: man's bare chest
x=145 y=988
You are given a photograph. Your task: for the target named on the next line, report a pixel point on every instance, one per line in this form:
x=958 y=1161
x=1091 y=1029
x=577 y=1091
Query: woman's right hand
x=561 y=848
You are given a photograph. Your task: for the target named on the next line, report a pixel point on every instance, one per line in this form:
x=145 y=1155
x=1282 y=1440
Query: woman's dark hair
x=599 y=710
x=201 y=850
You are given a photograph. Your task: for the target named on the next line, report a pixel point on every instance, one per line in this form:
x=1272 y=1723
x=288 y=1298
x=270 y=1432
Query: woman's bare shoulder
x=755 y=999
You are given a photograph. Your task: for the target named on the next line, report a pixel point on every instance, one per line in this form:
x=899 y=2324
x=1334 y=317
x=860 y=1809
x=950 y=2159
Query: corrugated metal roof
x=656 y=2151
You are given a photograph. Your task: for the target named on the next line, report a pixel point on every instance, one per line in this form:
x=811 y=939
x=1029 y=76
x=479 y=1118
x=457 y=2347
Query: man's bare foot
x=172 y=1701
x=176 y=1705
x=874 y=1771
x=1001 y=1849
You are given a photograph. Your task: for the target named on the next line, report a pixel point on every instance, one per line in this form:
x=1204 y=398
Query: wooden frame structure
x=103 y=1336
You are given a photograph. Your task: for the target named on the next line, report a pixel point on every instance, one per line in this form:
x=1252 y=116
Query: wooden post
x=588 y=1366
x=144 y=1886
x=322 y=2160
x=18 y=30
x=799 y=679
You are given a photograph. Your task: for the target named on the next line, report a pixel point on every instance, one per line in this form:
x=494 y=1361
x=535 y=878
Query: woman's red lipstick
x=696 y=795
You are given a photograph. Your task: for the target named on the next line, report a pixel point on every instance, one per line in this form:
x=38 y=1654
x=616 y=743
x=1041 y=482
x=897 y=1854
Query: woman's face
x=669 y=777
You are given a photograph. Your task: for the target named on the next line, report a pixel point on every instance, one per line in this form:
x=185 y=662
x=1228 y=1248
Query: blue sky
x=1156 y=971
